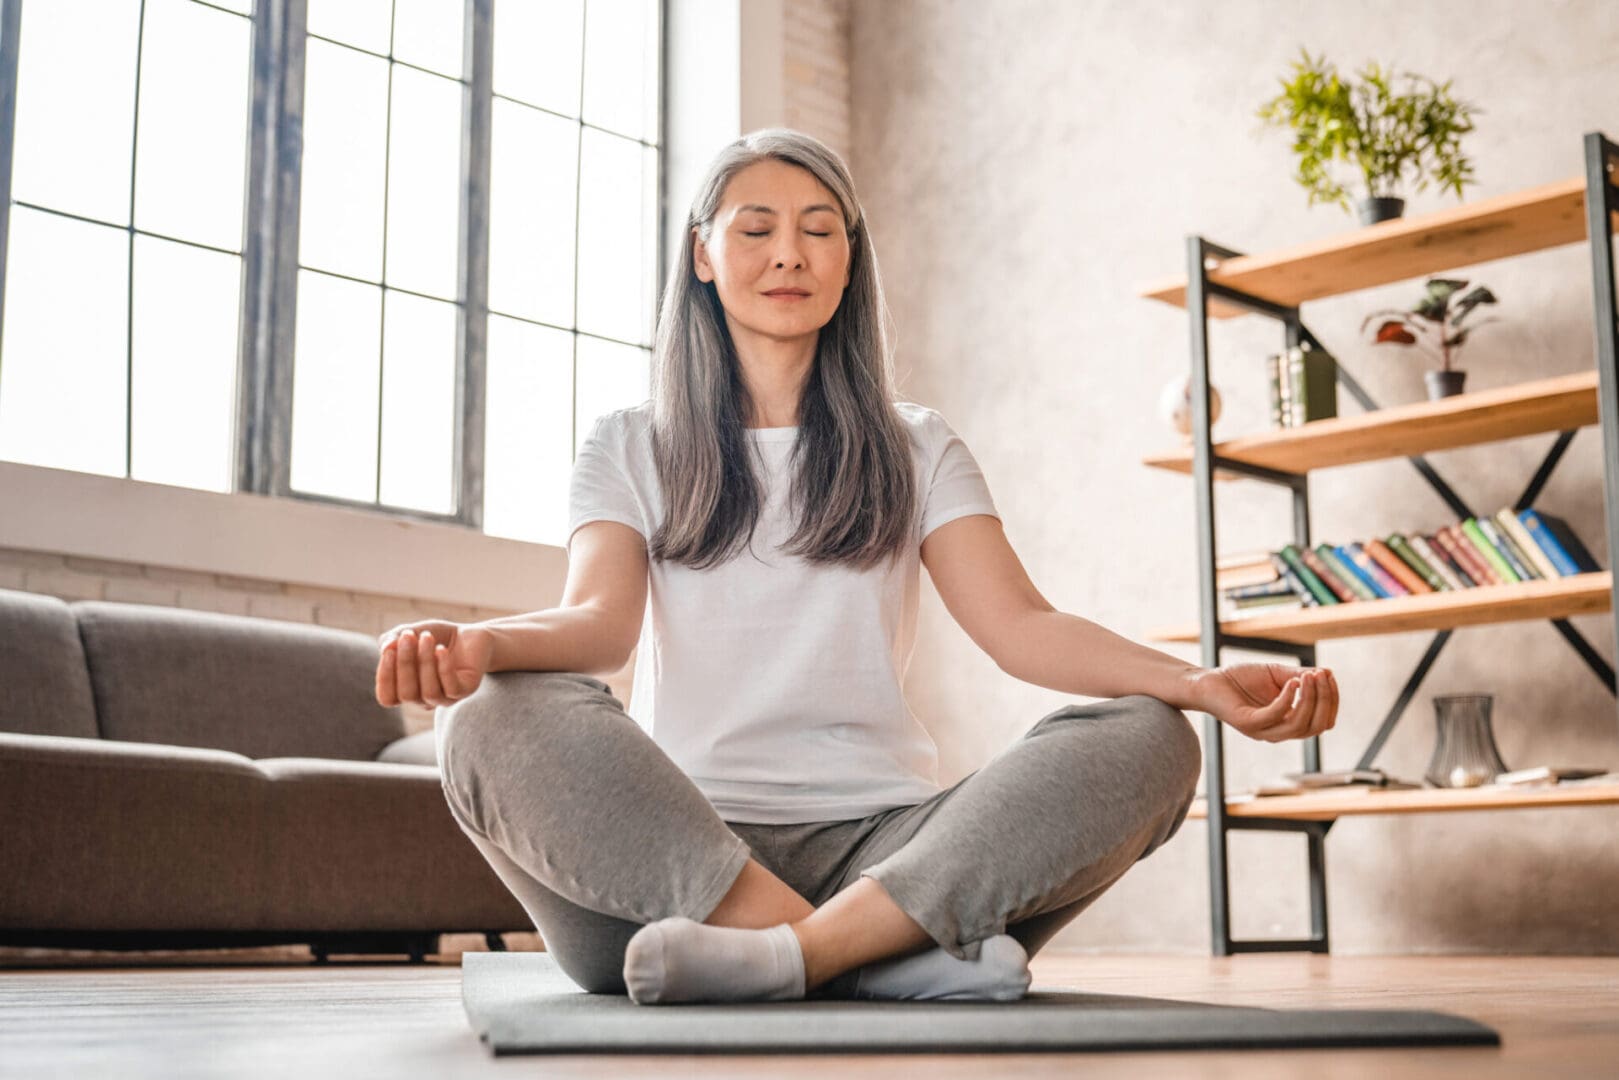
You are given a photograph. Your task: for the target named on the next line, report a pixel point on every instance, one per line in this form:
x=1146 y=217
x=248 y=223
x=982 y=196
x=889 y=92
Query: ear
x=699 y=257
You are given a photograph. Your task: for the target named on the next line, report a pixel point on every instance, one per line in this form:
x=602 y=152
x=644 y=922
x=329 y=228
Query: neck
x=774 y=369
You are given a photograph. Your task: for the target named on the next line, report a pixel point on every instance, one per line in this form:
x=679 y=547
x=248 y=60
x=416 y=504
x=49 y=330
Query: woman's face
x=777 y=228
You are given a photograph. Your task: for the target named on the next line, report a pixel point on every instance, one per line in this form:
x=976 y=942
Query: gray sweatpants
x=596 y=831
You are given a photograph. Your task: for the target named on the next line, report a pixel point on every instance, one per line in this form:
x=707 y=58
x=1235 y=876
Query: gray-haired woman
x=765 y=820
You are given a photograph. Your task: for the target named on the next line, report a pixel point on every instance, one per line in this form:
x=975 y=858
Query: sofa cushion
x=254 y=686
x=417 y=749
x=44 y=688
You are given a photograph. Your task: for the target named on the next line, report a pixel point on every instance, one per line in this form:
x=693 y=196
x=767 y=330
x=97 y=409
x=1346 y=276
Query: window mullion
x=472 y=316
x=270 y=250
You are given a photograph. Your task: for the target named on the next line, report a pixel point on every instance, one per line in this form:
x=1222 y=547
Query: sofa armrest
x=418 y=749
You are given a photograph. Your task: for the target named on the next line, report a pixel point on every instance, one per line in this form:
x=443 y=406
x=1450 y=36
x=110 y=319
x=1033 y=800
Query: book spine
x=1441 y=561
x=1301 y=590
x=1407 y=552
x=1326 y=575
x=1320 y=383
x=1370 y=567
x=1509 y=544
x=1504 y=549
x=1513 y=529
x=1273 y=373
x=1295 y=377
x=1463 y=551
x=1270 y=588
x=1345 y=572
x=1285 y=375
x=1487 y=550
x=1548 y=543
x=1571 y=543
x=1317 y=587
x=1396 y=566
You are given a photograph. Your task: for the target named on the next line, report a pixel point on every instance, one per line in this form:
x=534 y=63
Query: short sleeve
x=956 y=485
x=599 y=487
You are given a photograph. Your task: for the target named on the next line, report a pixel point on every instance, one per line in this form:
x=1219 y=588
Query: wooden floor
x=272 y=1013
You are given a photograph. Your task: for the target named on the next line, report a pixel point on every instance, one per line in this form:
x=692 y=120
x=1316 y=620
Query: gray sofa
x=180 y=779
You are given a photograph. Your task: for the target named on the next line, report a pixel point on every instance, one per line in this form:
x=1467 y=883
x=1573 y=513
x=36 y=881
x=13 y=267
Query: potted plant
x=1382 y=133
x=1426 y=323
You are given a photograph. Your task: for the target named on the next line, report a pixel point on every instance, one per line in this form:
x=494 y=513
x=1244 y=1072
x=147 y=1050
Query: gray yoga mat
x=522 y=1003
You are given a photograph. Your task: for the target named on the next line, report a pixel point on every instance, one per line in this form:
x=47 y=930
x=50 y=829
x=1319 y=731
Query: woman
x=765 y=821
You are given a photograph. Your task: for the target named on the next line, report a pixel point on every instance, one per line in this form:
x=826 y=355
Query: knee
x=510 y=712
x=1174 y=744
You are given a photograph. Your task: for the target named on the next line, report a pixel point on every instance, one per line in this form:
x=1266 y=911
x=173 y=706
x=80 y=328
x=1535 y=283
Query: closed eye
x=767 y=231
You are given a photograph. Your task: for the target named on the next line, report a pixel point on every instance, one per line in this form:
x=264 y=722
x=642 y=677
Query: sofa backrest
x=255 y=686
x=44 y=687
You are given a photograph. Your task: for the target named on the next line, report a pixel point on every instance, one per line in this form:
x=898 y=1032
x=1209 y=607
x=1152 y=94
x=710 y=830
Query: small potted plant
x=1382 y=133
x=1433 y=320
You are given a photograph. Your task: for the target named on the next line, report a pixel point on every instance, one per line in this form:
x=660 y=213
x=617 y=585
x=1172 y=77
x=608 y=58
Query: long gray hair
x=853 y=489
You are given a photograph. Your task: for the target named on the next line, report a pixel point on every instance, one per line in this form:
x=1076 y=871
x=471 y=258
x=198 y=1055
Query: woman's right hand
x=432 y=662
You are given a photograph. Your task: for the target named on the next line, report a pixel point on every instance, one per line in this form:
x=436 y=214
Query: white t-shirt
x=775 y=684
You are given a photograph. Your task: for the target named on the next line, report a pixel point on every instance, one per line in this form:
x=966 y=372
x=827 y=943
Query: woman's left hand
x=1271 y=702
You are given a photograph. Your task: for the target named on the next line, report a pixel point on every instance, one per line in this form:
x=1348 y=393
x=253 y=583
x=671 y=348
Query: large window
x=384 y=253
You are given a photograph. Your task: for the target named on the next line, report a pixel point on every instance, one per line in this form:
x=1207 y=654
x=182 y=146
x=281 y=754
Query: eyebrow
x=768 y=210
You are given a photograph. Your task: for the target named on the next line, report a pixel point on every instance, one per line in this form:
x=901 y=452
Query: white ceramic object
x=1175 y=405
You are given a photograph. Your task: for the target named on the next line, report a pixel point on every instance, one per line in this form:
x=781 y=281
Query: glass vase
x=1465 y=755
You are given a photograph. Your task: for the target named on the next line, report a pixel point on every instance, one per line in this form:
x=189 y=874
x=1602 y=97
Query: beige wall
x=1025 y=166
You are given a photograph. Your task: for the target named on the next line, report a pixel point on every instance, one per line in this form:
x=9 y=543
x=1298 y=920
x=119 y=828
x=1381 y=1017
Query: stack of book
x=1499 y=549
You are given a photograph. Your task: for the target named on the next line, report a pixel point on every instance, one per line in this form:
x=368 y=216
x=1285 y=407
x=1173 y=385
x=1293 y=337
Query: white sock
x=679 y=959
x=1001 y=973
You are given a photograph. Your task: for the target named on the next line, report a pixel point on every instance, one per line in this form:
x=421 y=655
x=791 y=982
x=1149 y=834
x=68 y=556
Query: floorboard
x=263 y=1013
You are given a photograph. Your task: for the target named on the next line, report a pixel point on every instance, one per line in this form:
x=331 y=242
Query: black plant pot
x=1381 y=208
x=1443 y=384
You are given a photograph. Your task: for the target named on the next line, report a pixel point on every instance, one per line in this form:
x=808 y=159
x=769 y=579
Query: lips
x=786 y=292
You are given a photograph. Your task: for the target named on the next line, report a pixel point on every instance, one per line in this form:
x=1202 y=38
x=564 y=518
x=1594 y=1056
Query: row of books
x=1497 y=549
x=1303 y=386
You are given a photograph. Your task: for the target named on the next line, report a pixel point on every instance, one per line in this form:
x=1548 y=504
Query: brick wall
x=815 y=71
x=73 y=578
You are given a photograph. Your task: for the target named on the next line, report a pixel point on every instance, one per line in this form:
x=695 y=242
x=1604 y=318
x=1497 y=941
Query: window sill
x=275 y=539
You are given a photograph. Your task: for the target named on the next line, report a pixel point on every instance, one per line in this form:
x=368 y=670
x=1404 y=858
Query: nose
x=788 y=252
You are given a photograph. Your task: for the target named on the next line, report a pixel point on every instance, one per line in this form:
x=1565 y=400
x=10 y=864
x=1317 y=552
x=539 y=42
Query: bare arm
x=594 y=629
x=986 y=590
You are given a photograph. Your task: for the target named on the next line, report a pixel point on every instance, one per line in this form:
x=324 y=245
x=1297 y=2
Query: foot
x=1001 y=973
x=679 y=959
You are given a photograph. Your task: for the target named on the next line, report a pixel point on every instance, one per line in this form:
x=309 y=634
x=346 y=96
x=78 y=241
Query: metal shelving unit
x=1273 y=286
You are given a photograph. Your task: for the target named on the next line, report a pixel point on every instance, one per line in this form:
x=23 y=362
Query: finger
x=409 y=680
x=1299 y=716
x=427 y=662
x=1327 y=714
x=385 y=676
x=1272 y=715
x=446 y=673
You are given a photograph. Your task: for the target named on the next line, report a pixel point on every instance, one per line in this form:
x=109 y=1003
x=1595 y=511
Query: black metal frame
x=1602 y=196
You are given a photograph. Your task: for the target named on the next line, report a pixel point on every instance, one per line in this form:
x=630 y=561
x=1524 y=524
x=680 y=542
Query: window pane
x=76 y=107
x=418 y=403
x=186 y=304
x=191 y=157
x=621 y=67
x=617 y=238
x=528 y=432
x=424 y=173
x=428 y=33
x=609 y=376
x=334 y=389
x=533 y=161
x=363 y=23
x=62 y=361
x=345 y=123
x=243 y=6
x=537 y=52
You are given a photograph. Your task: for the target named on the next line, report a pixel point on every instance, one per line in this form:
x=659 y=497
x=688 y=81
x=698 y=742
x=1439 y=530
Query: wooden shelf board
x=1559 y=403
x=1547 y=599
x=1326 y=805
x=1481 y=230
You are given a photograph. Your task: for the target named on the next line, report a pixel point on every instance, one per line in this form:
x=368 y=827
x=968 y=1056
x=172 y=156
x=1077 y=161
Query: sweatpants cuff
x=919 y=897
x=706 y=899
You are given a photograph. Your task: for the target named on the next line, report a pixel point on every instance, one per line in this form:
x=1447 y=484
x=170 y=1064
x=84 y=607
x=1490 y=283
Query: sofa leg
x=495 y=941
